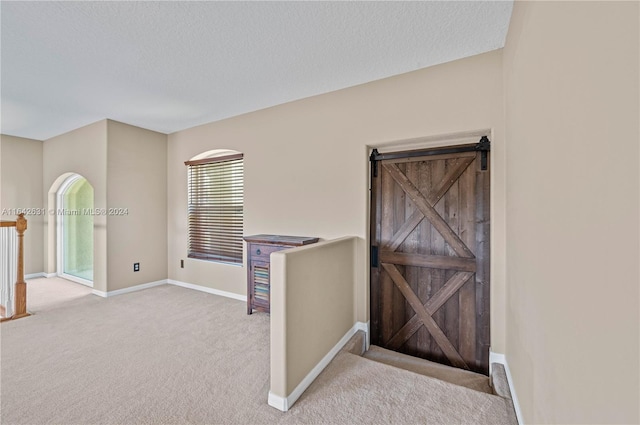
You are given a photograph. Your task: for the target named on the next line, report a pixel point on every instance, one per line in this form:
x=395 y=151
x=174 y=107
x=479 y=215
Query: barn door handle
x=374 y=256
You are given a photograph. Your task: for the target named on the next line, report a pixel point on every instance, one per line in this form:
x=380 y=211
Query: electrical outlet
x=182 y=264
x=136 y=267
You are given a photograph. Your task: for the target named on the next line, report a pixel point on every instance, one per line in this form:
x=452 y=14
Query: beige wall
x=312 y=307
x=126 y=166
x=306 y=163
x=571 y=84
x=21 y=187
x=561 y=103
x=136 y=180
x=82 y=151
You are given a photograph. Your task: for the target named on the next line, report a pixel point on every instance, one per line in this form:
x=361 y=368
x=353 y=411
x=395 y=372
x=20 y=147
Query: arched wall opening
x=73 y=218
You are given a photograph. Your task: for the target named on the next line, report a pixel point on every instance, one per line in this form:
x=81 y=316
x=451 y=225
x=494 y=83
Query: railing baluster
x=21 y=286
x=20 y=291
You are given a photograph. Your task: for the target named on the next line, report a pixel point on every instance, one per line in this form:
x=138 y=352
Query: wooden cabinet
x=259 y=249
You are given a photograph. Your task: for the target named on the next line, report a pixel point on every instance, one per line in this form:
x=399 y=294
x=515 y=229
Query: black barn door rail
x=484 y=146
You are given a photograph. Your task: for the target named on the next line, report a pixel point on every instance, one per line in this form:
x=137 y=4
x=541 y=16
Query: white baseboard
x=39 y=275
x=157 y=283
x=208 y=290
x=500 y=358
x=365 y=328
x=170 y=282
x=140 y=287
x=278 y=402
x=284 y=403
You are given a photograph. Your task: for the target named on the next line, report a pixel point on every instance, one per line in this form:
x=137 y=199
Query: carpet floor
x=462 y=377
x=169 y=355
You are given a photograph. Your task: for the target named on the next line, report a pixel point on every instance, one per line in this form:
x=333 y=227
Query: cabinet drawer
x=262 y=252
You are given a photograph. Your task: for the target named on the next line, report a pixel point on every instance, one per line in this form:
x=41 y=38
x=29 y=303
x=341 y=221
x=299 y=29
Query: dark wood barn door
x=430 y=254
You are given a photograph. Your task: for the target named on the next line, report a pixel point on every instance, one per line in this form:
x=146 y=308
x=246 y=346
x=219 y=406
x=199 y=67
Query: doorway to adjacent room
x=74 y=221
x=430 y=254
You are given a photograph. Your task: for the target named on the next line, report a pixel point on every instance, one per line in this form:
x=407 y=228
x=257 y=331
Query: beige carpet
x=465 y=378
x=169 y=355
x=46 y=294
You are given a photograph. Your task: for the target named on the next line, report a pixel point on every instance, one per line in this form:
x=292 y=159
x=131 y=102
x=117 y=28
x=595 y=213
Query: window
x=215 y=207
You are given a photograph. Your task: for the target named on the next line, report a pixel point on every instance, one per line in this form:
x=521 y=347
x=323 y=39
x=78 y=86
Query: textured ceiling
x=168 y=66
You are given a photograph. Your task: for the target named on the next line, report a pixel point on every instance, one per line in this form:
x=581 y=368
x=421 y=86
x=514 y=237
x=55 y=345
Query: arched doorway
x=74 y=222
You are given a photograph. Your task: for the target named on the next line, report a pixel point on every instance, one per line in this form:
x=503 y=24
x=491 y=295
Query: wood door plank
x=483 y=336
x=467 y=294
x=442 y=188
x=453 y=174
x=431 y=261
x=451 y=287
x=429 y=212
x=425 y=289
x=398 y=302
x=432 y=158
x=410 y=246
x=438 y=246
x=405 y=333
x=434 y=303
x=452 y=217
x=405 y=230
x=386 y=230
x=442 y=340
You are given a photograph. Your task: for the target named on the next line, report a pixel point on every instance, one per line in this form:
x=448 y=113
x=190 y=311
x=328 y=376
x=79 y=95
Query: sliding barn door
x=430 y=254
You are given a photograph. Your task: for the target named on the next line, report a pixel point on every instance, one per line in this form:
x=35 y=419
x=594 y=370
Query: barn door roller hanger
x=483 y=146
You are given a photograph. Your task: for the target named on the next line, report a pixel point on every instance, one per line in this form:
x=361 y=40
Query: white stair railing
x=13 y=288
x=8 y=267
